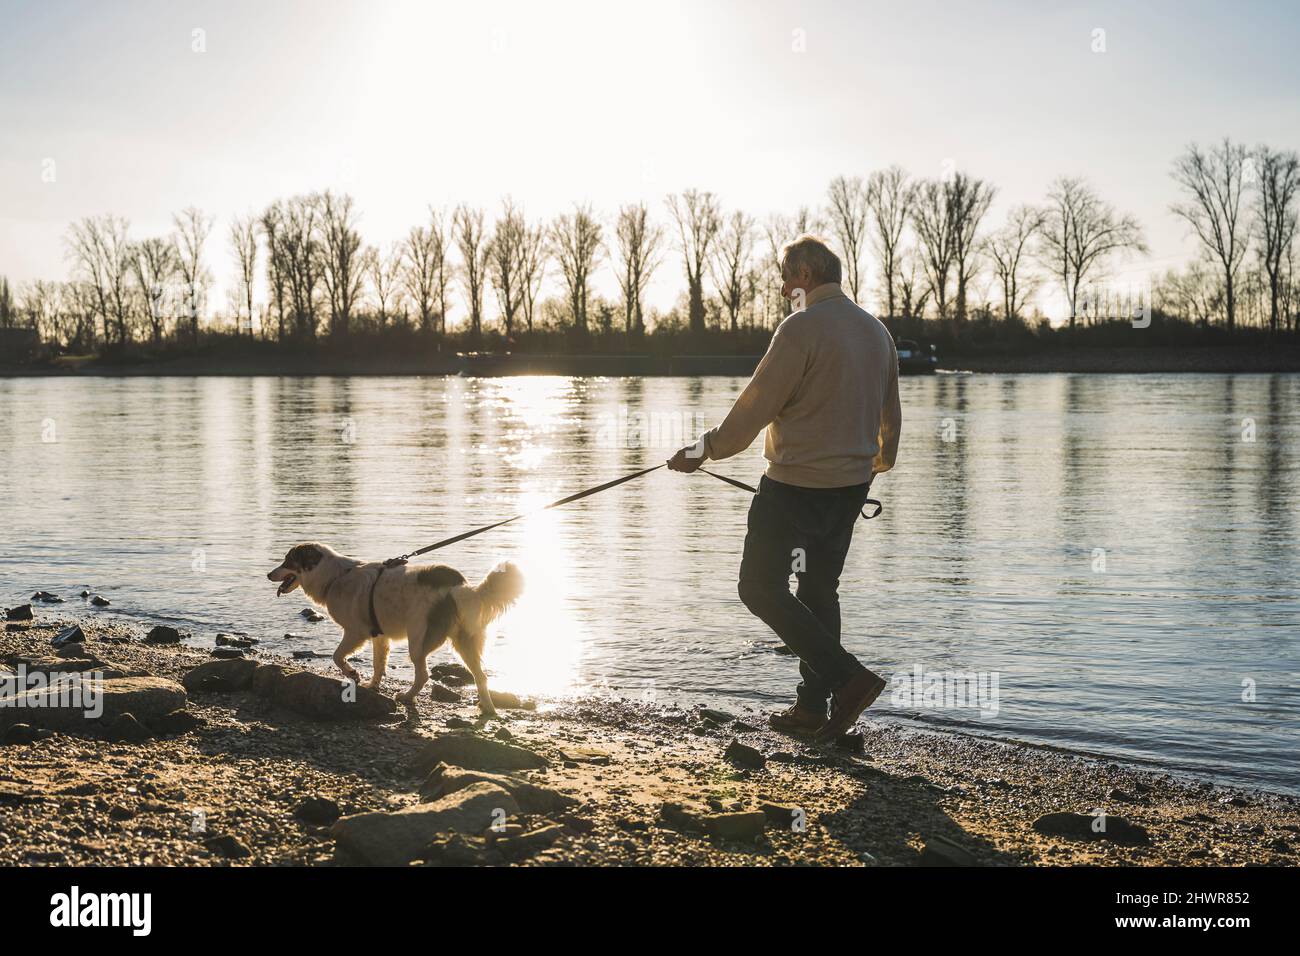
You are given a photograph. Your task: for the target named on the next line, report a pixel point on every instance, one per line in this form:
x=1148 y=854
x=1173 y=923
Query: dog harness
x=375 y=629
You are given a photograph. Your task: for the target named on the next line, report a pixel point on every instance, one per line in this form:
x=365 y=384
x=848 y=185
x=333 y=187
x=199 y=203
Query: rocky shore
x=246 y=759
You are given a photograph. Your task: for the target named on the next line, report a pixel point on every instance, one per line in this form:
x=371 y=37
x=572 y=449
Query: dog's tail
x=500 y=589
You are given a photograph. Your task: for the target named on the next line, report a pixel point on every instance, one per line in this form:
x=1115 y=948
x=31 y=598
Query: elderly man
x=827 y=392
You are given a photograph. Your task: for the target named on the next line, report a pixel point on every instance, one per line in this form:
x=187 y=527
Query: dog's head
x=299 y=562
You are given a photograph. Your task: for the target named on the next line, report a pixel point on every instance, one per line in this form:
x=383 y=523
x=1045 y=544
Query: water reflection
x=1117 y=548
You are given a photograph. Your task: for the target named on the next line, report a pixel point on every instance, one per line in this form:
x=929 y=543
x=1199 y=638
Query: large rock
x=326 y=698
x=382 y=838
x=531 y=798
x=467 y=749
x=1082 y=826
x=745 y=826
x=162 y=634
x=220 y=676
x=22 y=612
x=303 y=692
x=67 y=704
x=742 y=755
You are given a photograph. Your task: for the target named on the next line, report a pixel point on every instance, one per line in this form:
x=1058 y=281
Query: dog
x=421 y=604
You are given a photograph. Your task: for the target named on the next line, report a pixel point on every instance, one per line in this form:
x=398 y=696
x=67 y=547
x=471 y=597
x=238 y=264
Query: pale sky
x=406 y=104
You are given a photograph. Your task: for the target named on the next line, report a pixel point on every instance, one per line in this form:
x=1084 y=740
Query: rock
x=45 y=597
x=443 y=693
x=526 y=844
x=395 y=838
x=717 y=716
x=231 y=847
x=85 y=594
x=100 y=601
x=227 y=653
x=590 y=755
x=124 y=728
x=325 y=698
x=321 y=811
x=453 y=674
x=62 y=705
x=23 y=734
x=782 y=756
x=220 y=676
x=1234 y=801
x=72 y=634
x=742 y=755
x=162 y=634
x=682 y=817
x=739 y=726
x=22 y=612
x=466 y=749
x=311 y=614
x=174 y=724
x=458 y=723
x=307 y=655
x=744 y=826
x=457 y=849
x=940 y=851
x=781 y=815
x=225 y=640
x=1079 y=826
x=1120 y=796
x=71 y=650
x=529 y=797
x=508 y=701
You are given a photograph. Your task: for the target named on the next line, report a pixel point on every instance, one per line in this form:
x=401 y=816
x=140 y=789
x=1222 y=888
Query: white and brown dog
x=422 y=604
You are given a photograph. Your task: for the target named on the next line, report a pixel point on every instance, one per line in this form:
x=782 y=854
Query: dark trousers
x=783 y=519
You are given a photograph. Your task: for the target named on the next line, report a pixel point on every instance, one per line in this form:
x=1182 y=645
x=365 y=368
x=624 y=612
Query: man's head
x=806 y=263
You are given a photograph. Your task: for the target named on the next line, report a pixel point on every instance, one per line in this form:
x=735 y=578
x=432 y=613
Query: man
x=827 y=392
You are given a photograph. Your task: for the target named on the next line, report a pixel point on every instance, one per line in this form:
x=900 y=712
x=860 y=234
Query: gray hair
x=813 y=252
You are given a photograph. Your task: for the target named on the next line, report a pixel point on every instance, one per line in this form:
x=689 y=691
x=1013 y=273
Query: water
x=1114 y=548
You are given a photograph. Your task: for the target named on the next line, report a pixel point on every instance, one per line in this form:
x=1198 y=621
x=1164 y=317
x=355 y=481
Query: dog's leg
x=379 y=647
x=472 y=652
x=347 y=646
x=421 y=666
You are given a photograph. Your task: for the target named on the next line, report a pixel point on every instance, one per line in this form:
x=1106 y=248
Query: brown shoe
x=798 y=720
x=848 y=703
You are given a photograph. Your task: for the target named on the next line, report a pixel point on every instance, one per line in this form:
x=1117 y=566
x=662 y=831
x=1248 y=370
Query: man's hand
x=688 y=459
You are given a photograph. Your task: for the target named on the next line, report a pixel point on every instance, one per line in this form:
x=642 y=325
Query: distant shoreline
x=1280 y=358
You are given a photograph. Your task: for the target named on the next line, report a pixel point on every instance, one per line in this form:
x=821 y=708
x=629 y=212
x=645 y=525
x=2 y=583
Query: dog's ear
x=304 y=557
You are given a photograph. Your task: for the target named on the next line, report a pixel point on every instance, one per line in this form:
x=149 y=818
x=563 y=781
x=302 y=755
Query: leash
x=376 y=631
x=744 y=487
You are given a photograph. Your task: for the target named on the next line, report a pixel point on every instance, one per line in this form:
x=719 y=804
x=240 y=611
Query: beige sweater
x=827 y=391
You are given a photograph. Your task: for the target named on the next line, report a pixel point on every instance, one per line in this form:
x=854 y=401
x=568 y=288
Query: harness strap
x=375 y=629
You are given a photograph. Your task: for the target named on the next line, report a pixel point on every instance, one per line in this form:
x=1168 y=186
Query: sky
x=143 y=108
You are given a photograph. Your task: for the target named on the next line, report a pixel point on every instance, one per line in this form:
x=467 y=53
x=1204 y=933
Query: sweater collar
x=827 y=290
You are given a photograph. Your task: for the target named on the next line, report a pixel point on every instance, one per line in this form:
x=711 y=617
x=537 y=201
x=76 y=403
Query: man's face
x=795 y=280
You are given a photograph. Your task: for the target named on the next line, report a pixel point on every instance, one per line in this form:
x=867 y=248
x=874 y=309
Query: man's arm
x=769 y=390
x=891 y=420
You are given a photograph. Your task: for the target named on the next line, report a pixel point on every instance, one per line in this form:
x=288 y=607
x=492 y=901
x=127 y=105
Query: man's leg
x=819 y=588
x=776 y=526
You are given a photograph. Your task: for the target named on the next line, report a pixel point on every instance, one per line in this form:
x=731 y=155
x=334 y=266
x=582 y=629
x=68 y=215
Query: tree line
x=927 y=241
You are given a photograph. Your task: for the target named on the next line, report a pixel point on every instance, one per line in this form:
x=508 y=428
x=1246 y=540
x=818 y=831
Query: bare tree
x=914 y=289
x=1279 y=183
x=342 y=270
x=420 y=273
x=848 y=214
x=731 y=265
x=968 y=201
x=192 y=229
x=931 y=219
x=1080 y=233
x=639 y=241
x=300 y=249
x=535 y=255
x=100 y=254
x=272 y=223
x=889 y=198
x=385 y=270
x=1008 y=250
x=243 y=242
x=1215 y=181
x=575 y=245
x=505 y=259
x=471 y=239
x=698 y=220
x=156 y=266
